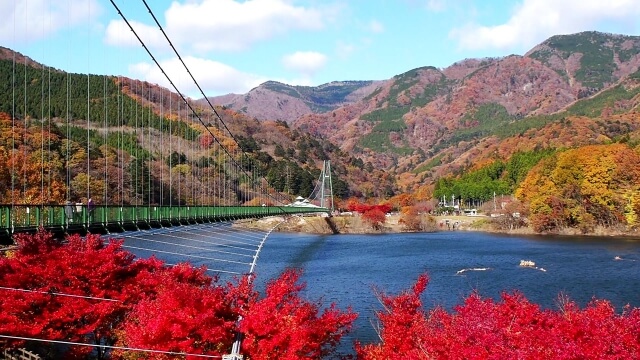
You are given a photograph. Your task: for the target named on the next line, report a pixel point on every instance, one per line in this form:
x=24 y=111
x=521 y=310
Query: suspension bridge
x=82 y=218
x=128 y=159
x=93 y=153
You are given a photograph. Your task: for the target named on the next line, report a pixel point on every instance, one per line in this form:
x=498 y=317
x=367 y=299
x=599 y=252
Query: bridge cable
x=13 y=119
x=88 y=99
x=55 y=293
x=25 y=113
x=184 y=100
x=68 y=116
x=193 y=79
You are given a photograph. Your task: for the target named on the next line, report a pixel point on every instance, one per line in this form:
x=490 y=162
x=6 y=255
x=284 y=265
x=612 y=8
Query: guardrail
x=19 y=354
x=114 y=218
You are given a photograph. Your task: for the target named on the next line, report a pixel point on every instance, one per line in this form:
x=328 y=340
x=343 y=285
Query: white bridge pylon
x=326 y=186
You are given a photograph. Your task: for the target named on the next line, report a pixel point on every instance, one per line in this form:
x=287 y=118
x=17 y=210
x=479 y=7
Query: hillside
x=173 y=140
x=273 y=100
x=429 y=122
x=382 y=137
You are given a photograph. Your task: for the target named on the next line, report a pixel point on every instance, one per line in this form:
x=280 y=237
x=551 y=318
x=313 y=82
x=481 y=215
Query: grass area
x=593 y=107
x=435 y=161
x=378 y=139
x=386 y=114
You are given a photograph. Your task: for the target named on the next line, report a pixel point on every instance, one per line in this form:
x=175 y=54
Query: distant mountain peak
x=275 y=100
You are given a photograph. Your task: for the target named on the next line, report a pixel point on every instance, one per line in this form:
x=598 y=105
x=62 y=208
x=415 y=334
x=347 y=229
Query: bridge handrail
x=18 y=218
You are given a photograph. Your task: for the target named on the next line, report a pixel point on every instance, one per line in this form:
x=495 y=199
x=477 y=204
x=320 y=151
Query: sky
x=232 y=46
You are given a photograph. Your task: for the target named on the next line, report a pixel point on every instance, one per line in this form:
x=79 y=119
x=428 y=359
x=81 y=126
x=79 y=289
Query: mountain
x=277 y=101
x=382 y=137
x=117 y=106
x=428 y=122
x=8 y=54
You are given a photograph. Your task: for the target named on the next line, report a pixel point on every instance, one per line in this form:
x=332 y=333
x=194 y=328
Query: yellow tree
x=596 y=184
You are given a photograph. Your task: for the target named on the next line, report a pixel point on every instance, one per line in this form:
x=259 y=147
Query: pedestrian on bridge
x=90 y=207
x=78 y=209
x=68 y=211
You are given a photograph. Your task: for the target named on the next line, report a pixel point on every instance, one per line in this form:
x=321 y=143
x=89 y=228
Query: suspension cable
x=24 y=119
x=42 y=117
x=55 y=293
x=88 y=102
x=173 y=84
x=13 y=122
x=68 y=116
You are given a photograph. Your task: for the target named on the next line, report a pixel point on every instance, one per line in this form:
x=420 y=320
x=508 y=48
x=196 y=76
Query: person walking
x=90 y=208
x=79 y=210
x=68 y=211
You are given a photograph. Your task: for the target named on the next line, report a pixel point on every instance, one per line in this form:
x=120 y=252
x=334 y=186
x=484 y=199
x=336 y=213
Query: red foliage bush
x=512 y=328
x=180 y=309
x=284 y=326
x=68 y=288
x=373 y=214
x=83 y=268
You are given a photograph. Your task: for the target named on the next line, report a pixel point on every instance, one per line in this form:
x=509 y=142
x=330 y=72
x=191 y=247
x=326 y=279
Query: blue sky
x=231 y=46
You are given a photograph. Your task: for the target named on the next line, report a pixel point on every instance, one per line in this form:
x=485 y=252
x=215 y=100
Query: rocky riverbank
x=354 y=224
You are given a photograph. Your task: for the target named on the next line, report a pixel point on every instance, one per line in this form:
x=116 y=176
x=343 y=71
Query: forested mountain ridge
x=274 y=100
x=130 y=125
x=408 y=132
x=430 y=122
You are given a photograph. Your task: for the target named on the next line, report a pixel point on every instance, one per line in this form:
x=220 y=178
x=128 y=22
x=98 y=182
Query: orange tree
x=584 y=187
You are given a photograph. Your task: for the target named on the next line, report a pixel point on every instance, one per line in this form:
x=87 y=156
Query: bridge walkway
x=69 y=219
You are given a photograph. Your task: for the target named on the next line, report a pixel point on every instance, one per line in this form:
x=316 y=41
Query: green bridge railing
x=108 y=218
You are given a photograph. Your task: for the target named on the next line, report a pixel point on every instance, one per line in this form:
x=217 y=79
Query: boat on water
x=527 y=263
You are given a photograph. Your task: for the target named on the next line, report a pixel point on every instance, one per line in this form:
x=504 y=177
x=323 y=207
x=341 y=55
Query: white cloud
x=305 y=62
x=344 y=50
x=23 y=21
x=533 y=21
x=233 y=25
x=436 y=5
x=376 y=27
x=118 y=33
x=213 y=77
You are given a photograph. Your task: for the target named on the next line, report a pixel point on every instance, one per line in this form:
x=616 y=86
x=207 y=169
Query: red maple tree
x=512 y=328
x=375 y=215
x=283 y=325
x=84 y=291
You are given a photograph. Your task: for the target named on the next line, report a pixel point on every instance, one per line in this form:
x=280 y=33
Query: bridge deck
x=63 y=219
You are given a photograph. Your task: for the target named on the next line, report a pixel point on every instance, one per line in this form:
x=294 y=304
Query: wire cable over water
x=222 y=248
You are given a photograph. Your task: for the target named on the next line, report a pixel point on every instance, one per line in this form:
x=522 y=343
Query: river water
x=345 y=269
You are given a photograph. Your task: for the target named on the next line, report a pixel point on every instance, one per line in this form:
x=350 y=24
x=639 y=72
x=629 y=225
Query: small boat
x=527 y=263
x=471 y=269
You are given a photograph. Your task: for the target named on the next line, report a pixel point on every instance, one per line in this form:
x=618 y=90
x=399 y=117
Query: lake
x=345 y=269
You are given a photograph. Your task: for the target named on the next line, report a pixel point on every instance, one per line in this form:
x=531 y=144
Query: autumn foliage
x=88 y=291
x=583 y=188
x=373 y=214
x=284 y=326
x=512 y=328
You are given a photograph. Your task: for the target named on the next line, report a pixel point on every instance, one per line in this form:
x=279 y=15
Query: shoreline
x=354 y=224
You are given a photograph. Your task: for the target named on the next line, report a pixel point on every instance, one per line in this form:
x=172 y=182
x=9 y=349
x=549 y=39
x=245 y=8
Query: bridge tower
x=326 y=186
